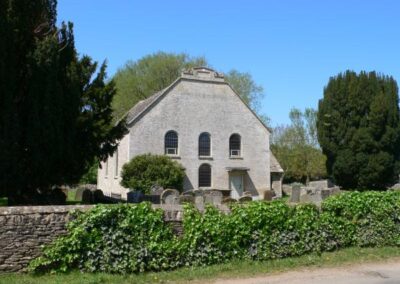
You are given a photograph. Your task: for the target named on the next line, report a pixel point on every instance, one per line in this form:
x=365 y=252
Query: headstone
x=269 y=194
x=188 y=192
x=87 y=196
x=245 y=199
x=287 y=189
x=320 y=184
x=186 y=199
x=325 y=193
x=98 y=196
x=213 y=197
x=229 y=200
x=199 y=197
x=156 y=190
x=295 y=197
x=78 y=193
x=169 y=196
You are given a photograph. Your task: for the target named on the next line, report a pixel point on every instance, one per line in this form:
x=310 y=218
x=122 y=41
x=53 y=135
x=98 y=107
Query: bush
x=134 y=238
x=144 y=171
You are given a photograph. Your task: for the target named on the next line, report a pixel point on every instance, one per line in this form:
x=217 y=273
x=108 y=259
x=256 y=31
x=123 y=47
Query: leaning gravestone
x=170 y=196
x=295 y=197
x=98 y=196
x=199 y=197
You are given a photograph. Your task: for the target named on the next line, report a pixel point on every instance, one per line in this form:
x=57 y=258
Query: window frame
x=209 y=184
x=203 y=134
x=240 y=154
x=176 y=148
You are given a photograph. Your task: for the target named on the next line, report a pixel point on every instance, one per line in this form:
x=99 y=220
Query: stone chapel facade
x=203 y=124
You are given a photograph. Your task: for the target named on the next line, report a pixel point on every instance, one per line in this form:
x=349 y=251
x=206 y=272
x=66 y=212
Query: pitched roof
x=274 y=166
x=197 y=74
x=141 y=106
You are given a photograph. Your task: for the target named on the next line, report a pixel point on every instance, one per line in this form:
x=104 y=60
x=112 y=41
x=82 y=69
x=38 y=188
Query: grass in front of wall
x=234 y=269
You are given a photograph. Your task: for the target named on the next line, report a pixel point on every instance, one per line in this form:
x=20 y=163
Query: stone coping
x=19 y=210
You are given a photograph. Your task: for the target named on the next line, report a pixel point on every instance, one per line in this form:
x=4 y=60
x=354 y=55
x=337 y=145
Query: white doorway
x=236 y=185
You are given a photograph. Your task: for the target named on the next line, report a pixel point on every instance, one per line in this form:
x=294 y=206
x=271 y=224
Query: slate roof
x=274 y=166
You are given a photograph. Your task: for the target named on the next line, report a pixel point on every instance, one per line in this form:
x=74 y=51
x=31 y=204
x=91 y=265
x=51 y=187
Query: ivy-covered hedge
x=134 y=238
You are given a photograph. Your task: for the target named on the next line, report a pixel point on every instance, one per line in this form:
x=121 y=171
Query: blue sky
x=291 y=48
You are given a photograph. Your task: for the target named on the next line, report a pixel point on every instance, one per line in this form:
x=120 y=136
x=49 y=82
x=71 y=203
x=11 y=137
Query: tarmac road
x=371 y=273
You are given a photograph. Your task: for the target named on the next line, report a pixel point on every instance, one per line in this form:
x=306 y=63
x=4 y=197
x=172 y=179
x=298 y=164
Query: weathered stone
x=245 y=199
x=229 y=200
x=269 y=194
x=287 y=189
x=213 y=197
x=295 y=197
x=170 y=196
x=320 y=184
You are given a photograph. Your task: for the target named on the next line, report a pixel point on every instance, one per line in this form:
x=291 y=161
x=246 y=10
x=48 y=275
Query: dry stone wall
x=24 y=230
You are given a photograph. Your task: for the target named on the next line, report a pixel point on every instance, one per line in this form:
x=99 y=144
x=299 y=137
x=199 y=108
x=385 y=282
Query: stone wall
x=23 y=230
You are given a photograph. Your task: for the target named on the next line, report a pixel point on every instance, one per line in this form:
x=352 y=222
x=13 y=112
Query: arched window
x=204 y=145
x=205 y=175
x=234 y=146
x=171 y=143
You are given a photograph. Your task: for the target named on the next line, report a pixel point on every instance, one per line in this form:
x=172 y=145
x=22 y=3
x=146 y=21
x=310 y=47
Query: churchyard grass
x=234 y=269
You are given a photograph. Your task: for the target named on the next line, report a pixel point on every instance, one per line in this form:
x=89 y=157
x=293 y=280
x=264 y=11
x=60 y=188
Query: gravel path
x=378 y=273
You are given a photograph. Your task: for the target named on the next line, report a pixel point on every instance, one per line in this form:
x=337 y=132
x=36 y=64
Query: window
x=234 y=145
x=171 y=143
x=205 y=175
x=204 y=145
x=116 y=164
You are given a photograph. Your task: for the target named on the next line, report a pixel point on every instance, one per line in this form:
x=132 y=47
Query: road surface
x=378 y=273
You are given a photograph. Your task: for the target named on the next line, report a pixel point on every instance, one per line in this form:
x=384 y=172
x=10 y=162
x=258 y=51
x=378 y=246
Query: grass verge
x=235 y=269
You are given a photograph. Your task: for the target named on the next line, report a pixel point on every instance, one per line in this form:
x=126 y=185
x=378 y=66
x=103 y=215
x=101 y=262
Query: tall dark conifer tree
x=359 y=129
x=55 y=111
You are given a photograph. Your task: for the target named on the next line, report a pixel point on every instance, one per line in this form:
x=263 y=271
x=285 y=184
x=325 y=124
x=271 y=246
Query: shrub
x=134 y=238
x=144 y=171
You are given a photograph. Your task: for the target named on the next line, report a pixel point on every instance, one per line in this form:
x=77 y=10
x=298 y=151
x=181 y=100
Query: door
x=236 y=185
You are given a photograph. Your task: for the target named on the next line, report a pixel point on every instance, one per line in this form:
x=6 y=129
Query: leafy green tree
x=55 y=110
x=359 y=129
x=144 y=171
x=248 y=90
x=296 y=147
x=138 y=80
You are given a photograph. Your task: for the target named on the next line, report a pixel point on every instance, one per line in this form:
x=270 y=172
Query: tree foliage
x=296 y=147
x=55 y=110
x=144 y=171
x=138 y=80
x=359 y=129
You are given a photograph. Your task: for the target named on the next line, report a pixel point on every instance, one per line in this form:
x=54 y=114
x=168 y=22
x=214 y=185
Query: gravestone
x=269 y=195
x=170 y=197
x=188 y=192
x=87 y=196
x=98 y=196
x=295 y=197
x=78 y=193
x=245 y=199
x=186 y=199
x=325 y=193
x=229 y=200
x=156 y=190
x=198 y=197
x=213 y=197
